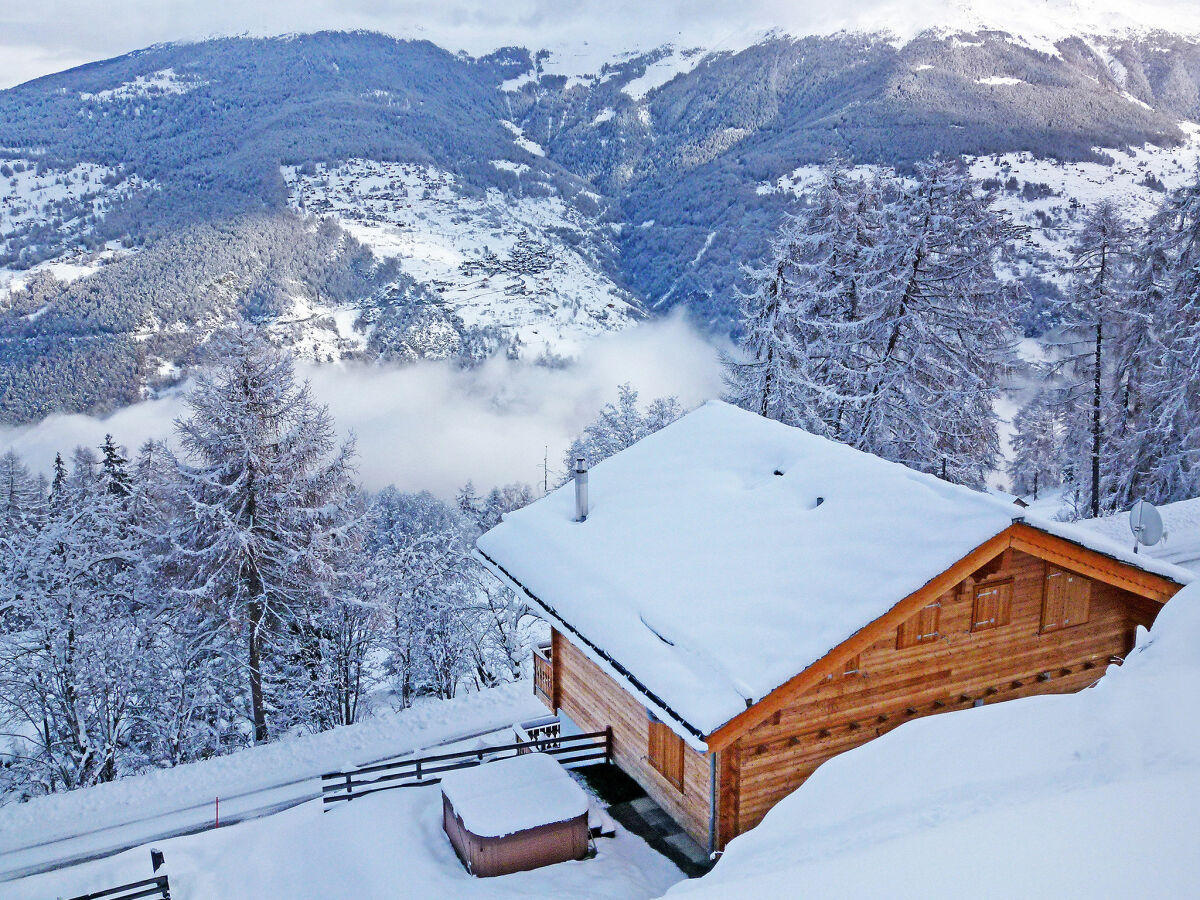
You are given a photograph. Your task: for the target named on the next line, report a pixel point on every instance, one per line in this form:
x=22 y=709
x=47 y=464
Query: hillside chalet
x=744 y=600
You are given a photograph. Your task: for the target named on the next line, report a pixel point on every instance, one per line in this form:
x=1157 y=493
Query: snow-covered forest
x=884 y=319
x=237 y=584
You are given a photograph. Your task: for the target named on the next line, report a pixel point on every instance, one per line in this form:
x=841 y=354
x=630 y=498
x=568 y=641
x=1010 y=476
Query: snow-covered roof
x=726 y=553
x=1180 y=544
x=514 y=794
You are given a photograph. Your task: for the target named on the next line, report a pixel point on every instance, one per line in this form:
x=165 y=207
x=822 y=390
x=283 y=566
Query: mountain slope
x=529 y=199
x=736 y=120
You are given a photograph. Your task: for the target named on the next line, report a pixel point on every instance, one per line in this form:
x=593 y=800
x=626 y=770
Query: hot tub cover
x=515 y=794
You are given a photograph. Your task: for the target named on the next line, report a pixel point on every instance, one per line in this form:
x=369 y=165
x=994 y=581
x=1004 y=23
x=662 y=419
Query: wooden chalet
x=744 y=601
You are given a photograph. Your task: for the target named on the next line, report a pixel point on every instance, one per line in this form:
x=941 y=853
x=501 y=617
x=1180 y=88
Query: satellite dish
x=1146 y=524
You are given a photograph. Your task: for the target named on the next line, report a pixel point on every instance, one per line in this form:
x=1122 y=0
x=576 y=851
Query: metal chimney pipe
x=581 y=489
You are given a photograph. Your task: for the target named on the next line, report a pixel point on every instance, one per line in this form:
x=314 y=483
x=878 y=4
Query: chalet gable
x=1052 y=548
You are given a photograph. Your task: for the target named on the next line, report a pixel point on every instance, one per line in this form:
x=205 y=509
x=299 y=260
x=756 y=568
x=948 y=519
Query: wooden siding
x=594 y=701
x=968 y=661
x=1151 y=591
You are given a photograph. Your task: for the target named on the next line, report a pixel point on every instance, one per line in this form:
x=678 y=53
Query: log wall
x=883 y=686
x=594 y=701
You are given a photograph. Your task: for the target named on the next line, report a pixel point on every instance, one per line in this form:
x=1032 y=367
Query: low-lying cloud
x=432 y=426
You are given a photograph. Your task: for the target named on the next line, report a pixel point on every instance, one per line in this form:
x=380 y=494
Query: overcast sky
x=42 y=36
x=38 y=37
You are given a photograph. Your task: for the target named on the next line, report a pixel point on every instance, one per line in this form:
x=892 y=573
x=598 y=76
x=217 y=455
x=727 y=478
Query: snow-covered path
x=63 y=829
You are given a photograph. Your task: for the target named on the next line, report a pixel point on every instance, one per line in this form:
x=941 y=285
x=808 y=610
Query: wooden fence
x=569 y=750
x=157 y=887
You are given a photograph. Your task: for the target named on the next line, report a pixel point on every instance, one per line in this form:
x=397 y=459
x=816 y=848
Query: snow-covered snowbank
x=109 y=816
x=1091 y=794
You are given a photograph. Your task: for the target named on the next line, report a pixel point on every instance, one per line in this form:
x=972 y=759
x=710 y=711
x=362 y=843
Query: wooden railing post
x=608 y=744
x=349 y=787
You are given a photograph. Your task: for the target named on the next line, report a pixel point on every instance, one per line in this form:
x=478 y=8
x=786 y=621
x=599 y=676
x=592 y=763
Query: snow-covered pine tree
x=1157 y=446
x=758 y=379
x=1037 y=447
x=501 y=500
x=941 y=340
x=20 y=497
x=502 y=636
x=114 y=467
x=467 y=501
x=831 y=286
x=420 y=573
x=326 y=675
x=1094 y=311
x=619 y=425
x=193 y=706
x=58 y=480
x=71 y=677
x=264 y=488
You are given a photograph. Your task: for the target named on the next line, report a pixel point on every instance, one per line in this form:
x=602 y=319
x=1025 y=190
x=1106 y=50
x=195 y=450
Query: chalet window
x=920 y=629
x=993 y=605
x=666 y=753
x=1066 y=600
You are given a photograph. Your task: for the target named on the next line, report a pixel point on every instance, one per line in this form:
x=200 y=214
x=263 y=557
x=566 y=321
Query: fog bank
x=431 y=426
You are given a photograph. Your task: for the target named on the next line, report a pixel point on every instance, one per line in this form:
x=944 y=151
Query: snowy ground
x=162 y=82
x=1181 y=532
x=441 y=235
x=66 y=268
x=1084 y=795
x=382 y=846
x=1074 y=188
x=78 y=824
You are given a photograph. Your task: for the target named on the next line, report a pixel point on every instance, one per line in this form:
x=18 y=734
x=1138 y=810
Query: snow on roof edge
x=693 y=735
x=1098 y=543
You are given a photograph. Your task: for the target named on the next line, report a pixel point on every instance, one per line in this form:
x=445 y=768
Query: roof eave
x=695 y=736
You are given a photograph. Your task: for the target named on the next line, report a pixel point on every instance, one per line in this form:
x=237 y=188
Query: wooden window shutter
x=921 y=628
x=1066 y=601
x=666 y=753
x=993 y=605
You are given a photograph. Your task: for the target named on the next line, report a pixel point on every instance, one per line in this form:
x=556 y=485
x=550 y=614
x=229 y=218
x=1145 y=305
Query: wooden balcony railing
x=570 y=750
x=540 y=730
x=543 y=675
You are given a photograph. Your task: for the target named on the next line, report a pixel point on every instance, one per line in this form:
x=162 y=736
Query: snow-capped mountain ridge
x=650 y=176
x=585 y=43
